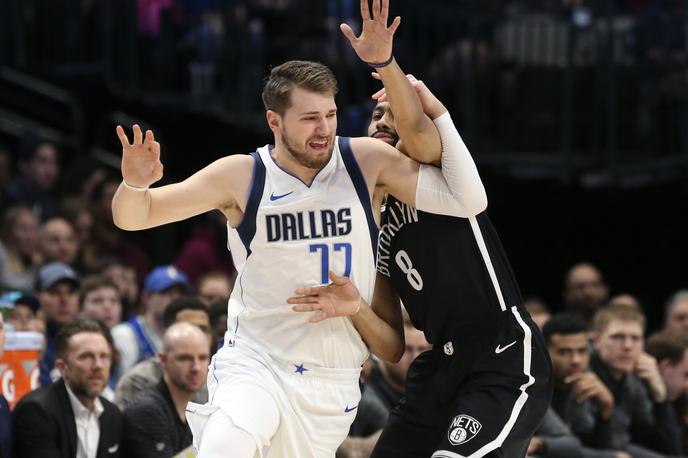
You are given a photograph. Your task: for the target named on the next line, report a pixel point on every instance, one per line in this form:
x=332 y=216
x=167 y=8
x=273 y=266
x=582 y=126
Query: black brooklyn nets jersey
x=448 y=272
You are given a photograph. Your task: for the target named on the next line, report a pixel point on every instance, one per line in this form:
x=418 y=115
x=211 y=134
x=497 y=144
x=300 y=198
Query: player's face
x=186 y=363
x=308 y=128
x=675 y=377
x=569 y=354
x=86 y=369
x=620 y=345
x=382 y=124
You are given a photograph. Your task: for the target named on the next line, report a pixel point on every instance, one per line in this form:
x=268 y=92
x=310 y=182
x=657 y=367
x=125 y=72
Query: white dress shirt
x=87 y=426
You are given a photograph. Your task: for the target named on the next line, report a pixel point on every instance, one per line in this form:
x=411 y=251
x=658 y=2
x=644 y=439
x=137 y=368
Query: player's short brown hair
x=311 y=76
x=616 y=312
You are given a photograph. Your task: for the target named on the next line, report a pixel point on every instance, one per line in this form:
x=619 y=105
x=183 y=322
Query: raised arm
x=221 y=185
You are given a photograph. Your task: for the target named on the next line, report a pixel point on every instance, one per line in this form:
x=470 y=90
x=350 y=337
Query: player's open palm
x=141 y=166
x=339 y=298
x=374 y=45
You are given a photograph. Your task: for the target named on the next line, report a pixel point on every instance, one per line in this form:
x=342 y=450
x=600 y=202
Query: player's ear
x=274 y=121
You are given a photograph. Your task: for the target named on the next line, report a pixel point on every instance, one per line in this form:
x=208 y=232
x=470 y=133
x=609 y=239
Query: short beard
x=303 y=158
x=83 y=390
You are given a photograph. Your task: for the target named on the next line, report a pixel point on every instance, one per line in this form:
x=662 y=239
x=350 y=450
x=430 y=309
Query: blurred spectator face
x=675 y=376
x=43 y=168
x=58 y=241
x=103 y=304
x=619 y=345
x=628 y=300
x=569 y=354
x=415 y=345
x=125 y=280
x=185 y=361
x=156 y=303
x=21 y=317
x=677 y=317
x=83 y=225
x=3 y=336
x=585 y=289
x=86 y=367
x=212 y=289
x=197 y=318
x=382 y=124
x=60 y=302
x=24 y=233
x=103 y=208
x=538 y=312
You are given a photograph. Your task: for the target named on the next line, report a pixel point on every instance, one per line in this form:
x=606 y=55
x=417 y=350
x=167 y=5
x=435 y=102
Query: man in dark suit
x=69 y=418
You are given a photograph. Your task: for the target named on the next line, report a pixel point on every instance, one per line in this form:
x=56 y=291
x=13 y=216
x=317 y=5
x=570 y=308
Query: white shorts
x=315 y=405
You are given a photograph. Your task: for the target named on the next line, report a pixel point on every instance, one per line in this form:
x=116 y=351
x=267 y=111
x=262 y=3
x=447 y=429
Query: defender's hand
x=374 y=45
x=141 y=166
x=339 y=298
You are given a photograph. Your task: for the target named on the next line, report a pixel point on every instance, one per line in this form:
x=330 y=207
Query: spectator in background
x=155 y=424
x=39 y=170
x=218 y=323
x=68 y=418
x=58 y=241
x=553 y=439
x=140 y=337
x=206 y=249
x=145 y=374
x=642 y=418
x=538 y=310
x=214 y=286
x=580 y=397
x=5 y=416
x=22 y=311
x=19 y=250
x=676 y=312
x=628 y=300
x=5 y=175
x=585 y=291
x=57 y=286
x=100 y=300
x=125 y=279
x=108 y=240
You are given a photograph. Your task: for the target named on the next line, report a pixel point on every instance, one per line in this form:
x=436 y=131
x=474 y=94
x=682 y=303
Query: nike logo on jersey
x=347 y=409
x=500 y=349
x=273 y=197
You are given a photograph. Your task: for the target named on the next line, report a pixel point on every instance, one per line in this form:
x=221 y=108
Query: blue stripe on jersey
x=361 y=188
x=247 y=228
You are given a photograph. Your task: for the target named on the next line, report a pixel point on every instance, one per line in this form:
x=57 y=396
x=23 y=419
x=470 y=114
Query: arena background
x=581 y=135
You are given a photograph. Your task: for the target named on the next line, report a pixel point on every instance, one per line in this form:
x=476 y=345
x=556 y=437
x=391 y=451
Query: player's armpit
x=221 y=184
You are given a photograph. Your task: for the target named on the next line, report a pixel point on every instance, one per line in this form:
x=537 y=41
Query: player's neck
x=290 y=165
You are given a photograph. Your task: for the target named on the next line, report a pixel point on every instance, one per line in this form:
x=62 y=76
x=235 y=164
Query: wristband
x=382 y=64
x=134 y=188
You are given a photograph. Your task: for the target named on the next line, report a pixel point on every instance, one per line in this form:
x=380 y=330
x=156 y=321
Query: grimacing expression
x=308 y=128
x=86 y=367
x=619 y=345
x=382 y=125
x=569 y=354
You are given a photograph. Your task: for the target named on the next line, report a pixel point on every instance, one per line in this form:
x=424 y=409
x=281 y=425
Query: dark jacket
x=44 y=426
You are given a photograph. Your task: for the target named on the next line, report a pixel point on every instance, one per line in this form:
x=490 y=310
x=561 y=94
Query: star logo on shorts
x=300 y=369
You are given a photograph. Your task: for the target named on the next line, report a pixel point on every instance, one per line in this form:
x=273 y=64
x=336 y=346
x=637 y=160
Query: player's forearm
x=131 y=209
x=459 y=176
x=382 y=340
x=415 y=128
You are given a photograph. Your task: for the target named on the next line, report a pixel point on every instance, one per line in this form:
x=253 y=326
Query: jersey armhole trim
x=247 y=228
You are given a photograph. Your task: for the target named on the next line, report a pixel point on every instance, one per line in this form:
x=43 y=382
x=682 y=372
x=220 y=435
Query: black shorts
x=479 y=402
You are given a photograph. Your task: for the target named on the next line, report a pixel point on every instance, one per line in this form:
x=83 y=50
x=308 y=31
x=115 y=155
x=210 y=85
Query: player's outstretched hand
x=430 y=103
x=374 y=45
x=339 y=298
x=141 y=166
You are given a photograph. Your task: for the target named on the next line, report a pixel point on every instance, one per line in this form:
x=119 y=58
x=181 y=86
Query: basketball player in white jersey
x=282 y=386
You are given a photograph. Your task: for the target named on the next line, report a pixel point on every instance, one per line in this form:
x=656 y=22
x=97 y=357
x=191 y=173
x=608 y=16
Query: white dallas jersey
x=290 y=236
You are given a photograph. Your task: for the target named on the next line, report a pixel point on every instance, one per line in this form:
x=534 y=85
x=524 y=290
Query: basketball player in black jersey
x=484 y=388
